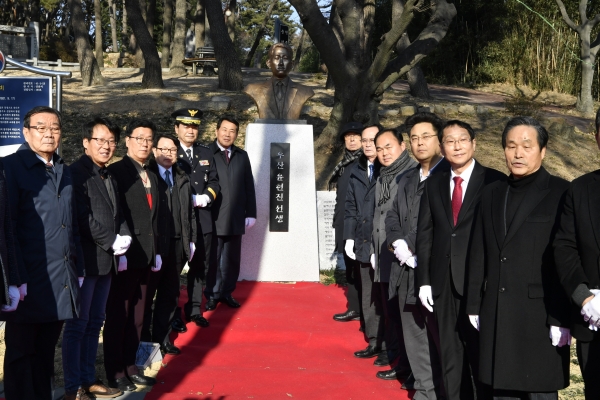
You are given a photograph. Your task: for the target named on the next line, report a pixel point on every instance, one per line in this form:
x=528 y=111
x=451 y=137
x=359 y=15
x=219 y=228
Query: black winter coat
x=9 y=268
x=340 y=204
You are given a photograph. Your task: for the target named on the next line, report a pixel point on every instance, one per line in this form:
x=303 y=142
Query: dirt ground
x=571 y=152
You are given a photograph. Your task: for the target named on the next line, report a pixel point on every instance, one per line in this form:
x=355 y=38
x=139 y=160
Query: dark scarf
x=349 y=156
x=387 y=174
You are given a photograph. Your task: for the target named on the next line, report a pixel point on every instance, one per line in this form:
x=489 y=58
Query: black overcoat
x=99 y=221
x=441 y=245
x=237 y=199
x=47 y=244
x=577 y=245
x=514 y=288
x=340 y=204
x=9 y=271
x=145 y=224
x=203 y=180
x=360 y=206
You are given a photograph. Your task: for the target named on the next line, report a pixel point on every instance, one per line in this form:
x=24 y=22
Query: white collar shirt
x=466 y=176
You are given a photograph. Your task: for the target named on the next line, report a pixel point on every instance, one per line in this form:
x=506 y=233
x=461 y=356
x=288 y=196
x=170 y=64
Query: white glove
x=591 y=311
x=591 y=327
x=349 y=249
x=122 y=264
x=560 y=336
x=426 y=297
x=474 y=321
x=411 y=262
x=22 y=291
x=192 y=250
x=200 y=200
x=401 y=251
x=13 y=299
x=121 y=244
x=373 y=262
x=80 y=279
x=157 y=264
x=250 y=222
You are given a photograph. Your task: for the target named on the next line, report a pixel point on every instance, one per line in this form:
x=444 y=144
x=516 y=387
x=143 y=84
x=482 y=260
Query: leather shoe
x=409 y=383
x=382 y=360
x=142 y=379
x=101 y=391
x=80 y=394
x=211 y=304
x=169 y=348
x=231 y=302
x=369 y=352
x=199 y=320
x=123 y=384
x=347 y=316
x=178 y=326
x=388 y=375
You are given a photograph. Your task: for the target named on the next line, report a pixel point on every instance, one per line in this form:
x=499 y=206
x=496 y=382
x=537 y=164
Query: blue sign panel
x=18 y=95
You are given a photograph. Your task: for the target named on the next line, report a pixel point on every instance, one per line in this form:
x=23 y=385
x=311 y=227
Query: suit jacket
x=401 y=223
x=264 y=97
x=237 y=200
x=47 y=245
x=577 y=245
x=340 y=204
x=514 y=288
x=144 y=223
x=9 y=270
x=441 y=246
x=99 y=220
x=203 y=180
x=360 y=207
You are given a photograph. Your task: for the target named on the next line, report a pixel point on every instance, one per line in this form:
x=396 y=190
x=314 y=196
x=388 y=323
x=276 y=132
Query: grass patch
x=334 y=275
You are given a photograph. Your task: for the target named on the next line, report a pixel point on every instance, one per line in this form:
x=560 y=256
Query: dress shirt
x=225 y=149
x=185 y=149
x=162 y=170
x=42 y=159
x=466 y=176
x=423 y=177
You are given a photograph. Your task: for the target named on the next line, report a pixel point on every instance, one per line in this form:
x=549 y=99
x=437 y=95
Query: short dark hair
x=228 y=118
x=88 y=127
x=163 y=136
x=367 y=126
x=396 y=132
x=456 y=122
x=39 y=110
x=597 y=120
x=141 y=123
x=424 y=117
x=542 y=133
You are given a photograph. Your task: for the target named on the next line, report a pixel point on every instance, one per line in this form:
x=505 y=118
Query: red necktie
x=227 y=155
x=456 y=197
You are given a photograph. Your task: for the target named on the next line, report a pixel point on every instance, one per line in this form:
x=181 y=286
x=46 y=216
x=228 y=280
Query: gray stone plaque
x=325 y=208
x=19 y=47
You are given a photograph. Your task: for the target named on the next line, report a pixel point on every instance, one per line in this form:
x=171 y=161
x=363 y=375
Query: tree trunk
x=417 y=83
x=179 y=36
x=90 y=72
x=199 y=19
x=230 y=70
x=112 y=12
x=585 y=101
x=299 y=50
x=260 y=33
x=124 y=43
x=149 y=18
x=230 y=20
x=167 y=27
x=98 y=33
x=152 y=72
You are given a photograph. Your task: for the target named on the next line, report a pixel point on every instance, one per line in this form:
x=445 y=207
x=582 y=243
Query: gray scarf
x=387 y=174
x=349 y=156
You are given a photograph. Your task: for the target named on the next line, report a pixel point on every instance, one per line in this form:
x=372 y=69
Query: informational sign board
x=18 y=95
x=280 y=187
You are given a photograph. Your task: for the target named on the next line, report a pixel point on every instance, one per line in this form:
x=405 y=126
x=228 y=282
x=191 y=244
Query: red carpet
x=282 y=343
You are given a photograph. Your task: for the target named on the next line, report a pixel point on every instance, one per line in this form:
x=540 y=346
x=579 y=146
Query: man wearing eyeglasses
x=448 y=206
x=144 y=208
x=175 y=184
x=197 y=161
x=48 y=252
x=104 y=237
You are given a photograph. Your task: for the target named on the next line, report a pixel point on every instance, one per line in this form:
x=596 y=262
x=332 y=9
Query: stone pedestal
x=282 y=256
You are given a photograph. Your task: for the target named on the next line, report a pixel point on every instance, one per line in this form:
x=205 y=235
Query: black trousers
x=226 y=270
x=353 y=291
x=372 y=308
x=197 y=274
x=588 y=355
x=163 y=284
x=459 y=346
x=516 y=395
x=29 y=360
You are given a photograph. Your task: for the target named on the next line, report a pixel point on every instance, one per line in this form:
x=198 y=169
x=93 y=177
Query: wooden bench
x=205 y=57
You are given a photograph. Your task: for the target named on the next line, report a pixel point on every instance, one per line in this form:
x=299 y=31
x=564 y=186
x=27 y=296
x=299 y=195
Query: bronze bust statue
x=279 y=97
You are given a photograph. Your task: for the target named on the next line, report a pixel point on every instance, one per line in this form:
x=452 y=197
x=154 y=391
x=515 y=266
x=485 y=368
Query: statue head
x=280 y=60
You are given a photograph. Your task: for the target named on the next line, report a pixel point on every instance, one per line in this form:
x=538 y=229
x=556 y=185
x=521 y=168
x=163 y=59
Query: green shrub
x=58 y=48
x=309 y=61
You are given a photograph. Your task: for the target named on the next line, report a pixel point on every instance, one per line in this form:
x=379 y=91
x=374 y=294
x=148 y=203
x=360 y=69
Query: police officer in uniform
x=197 y=161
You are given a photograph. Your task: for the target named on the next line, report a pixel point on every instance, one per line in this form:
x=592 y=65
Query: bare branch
x=566 y=17
x=583 y=12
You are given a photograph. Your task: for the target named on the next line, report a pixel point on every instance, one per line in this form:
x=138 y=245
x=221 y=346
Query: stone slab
x=325 y=209
x=282 y=256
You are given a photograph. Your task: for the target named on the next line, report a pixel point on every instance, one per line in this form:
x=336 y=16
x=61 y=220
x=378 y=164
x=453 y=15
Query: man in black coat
x=9 y=271
x=577 y=251
x=104 y=235
x=350 y=136
x=49 y=255
x=448 y=205
x=514 y=295
x=197 y=161
x=234 y=210
x=144 y=208
x=419 y=328
x=180 y=243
